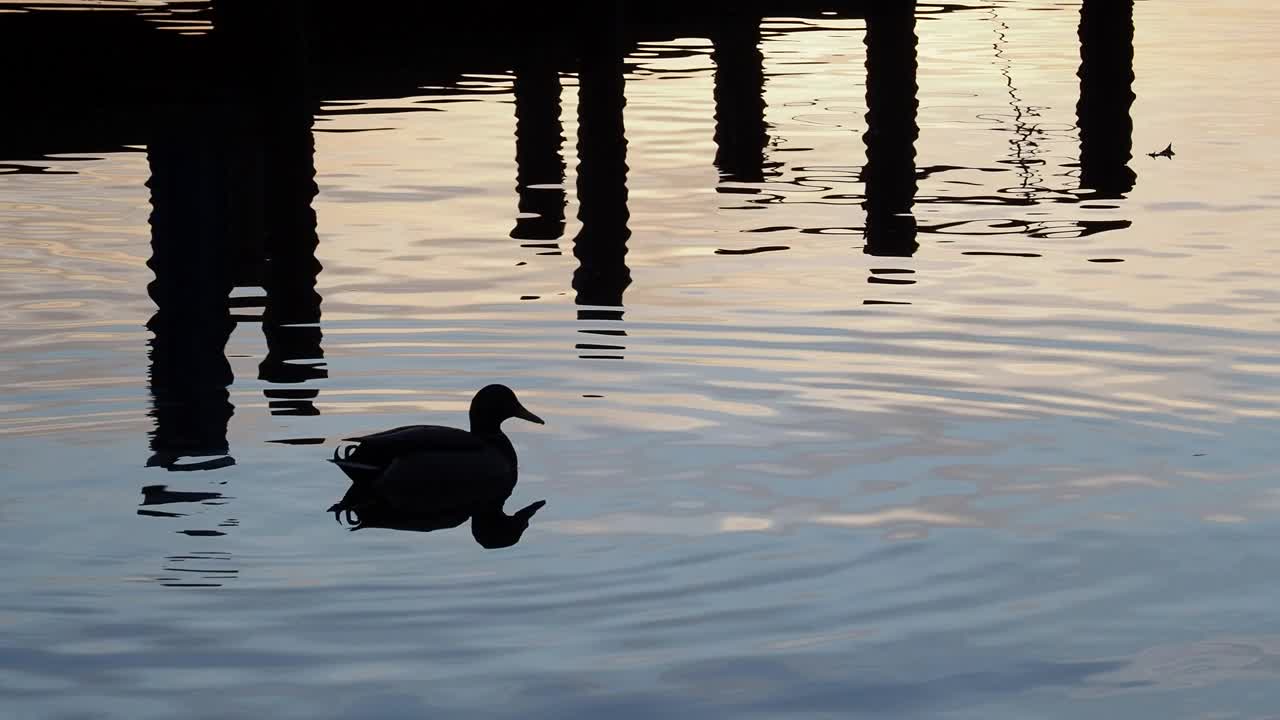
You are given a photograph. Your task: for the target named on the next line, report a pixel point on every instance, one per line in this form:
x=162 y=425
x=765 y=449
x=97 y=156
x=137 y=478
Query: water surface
x=849 y=414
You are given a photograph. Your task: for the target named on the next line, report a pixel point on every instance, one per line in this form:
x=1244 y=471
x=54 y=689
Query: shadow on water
x=197 y=568
x=1106 y=97
x=326 y=52
x=540 y=166
x=741 y=135
x=232 y=231
x=601 y=244
x=889 y=175
x=226 y=114
x=190 y=373
x=232 y=182
x=888 y=184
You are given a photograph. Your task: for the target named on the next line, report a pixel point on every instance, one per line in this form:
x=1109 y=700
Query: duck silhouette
x=430 y=477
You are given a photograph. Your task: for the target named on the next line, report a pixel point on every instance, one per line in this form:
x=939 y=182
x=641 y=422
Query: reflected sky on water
x=885 y=371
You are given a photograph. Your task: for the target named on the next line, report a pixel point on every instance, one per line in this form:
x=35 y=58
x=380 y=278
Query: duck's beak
x=524 y=414
x=527 y=512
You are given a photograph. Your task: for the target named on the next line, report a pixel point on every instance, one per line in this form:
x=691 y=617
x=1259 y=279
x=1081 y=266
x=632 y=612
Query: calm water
x=805 y=456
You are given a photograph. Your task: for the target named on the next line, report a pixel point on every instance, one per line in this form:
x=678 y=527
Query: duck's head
x=494 y=529
x=494 y=404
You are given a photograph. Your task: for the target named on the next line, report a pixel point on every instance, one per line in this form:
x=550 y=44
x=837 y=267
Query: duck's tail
x=359 y=472
x=349 y=504
x=362 y=475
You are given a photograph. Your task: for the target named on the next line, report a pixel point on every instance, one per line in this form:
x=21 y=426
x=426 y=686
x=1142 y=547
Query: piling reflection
x=162 y=495
x=266 y=55
x=291 y=317
x=193 y=274
x=233 y=176
x=233 y=230
x=265 y=68
x=540 y=165
x=742 y=135
x=1106 y=96
x=232 y=185
x=196 y=568
x=232 y=156
x=890 y=171
x=602 y=275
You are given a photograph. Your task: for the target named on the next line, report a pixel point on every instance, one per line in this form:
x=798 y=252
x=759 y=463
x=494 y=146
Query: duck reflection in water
x=491 y=526
x=430 y=477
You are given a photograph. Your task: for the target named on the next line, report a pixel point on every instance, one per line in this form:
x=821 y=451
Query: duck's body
x=420 y=471
x=420 y=467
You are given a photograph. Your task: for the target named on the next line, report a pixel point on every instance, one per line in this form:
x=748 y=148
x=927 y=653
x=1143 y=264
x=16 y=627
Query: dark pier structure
x=223 y=94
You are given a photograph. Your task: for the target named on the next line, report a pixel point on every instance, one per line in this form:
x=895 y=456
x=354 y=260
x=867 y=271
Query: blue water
x=1014 y=461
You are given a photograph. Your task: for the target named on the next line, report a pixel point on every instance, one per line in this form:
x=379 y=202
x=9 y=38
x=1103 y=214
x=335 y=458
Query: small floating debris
x=754 y=250
x=592 y=396
x=884 y=302
x=772 y=228
x=201 y=533
x=530 y=297
x=992 y=253
x=298 y=441
x=1165 y=153
x=1106 y=260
